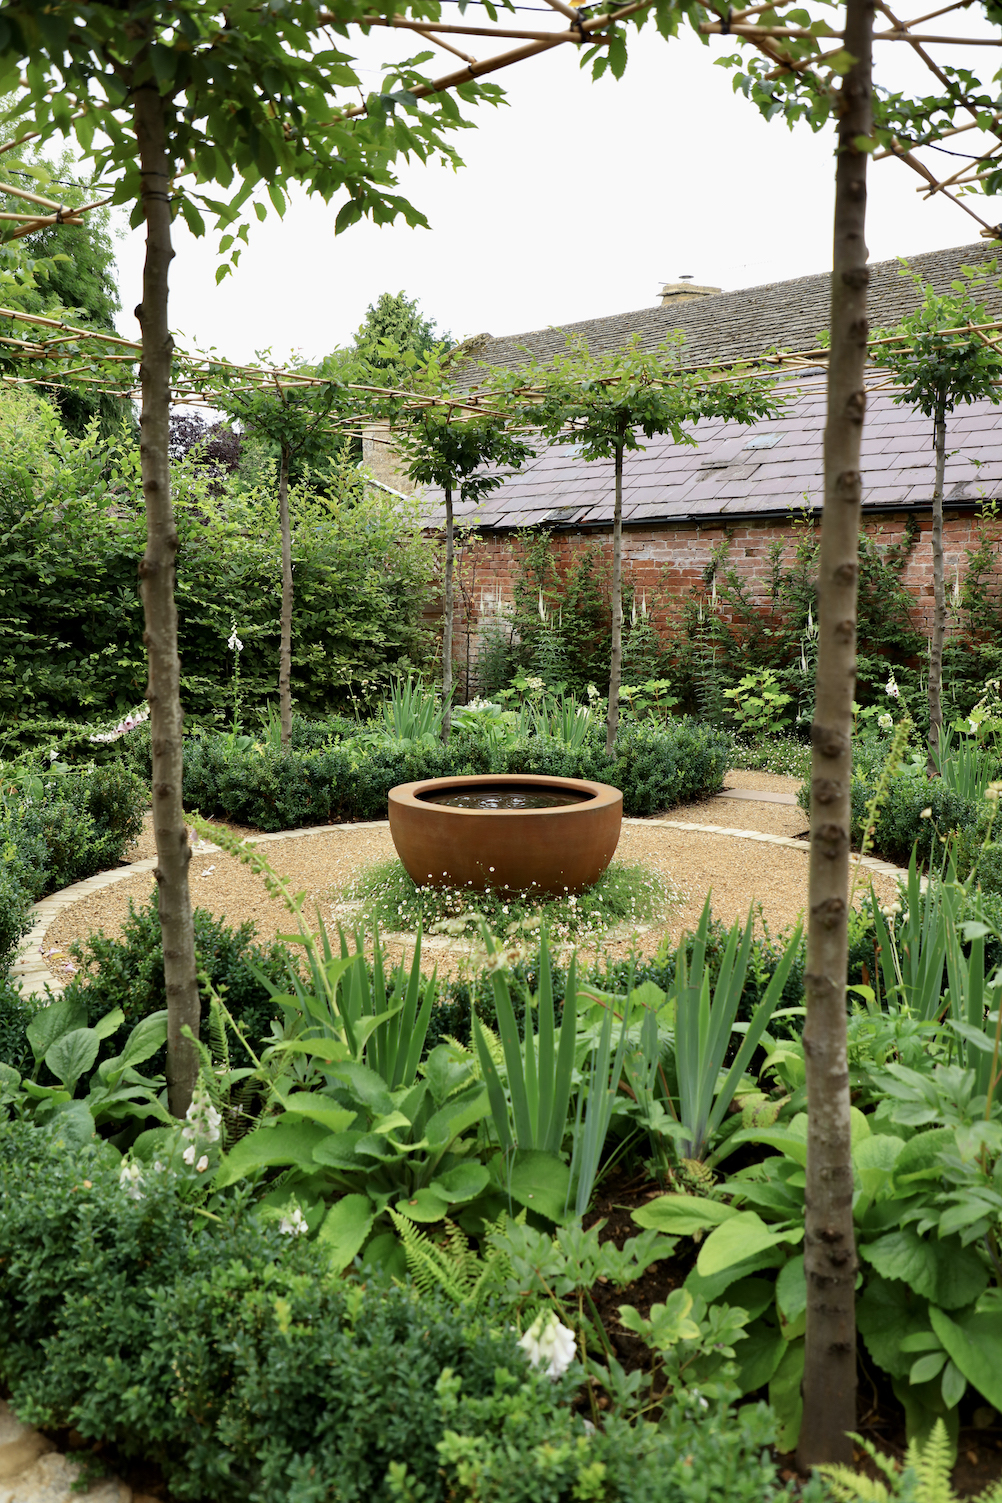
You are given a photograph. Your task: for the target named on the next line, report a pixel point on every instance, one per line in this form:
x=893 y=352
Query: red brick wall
x=668 y=563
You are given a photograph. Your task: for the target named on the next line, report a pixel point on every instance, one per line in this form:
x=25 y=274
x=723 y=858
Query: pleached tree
x=177 y=105
x=937 y=371
x=605 y=404
x=463 y=451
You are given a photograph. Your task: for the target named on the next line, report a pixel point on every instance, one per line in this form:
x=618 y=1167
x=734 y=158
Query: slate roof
x=765 y=470
x=724 y=478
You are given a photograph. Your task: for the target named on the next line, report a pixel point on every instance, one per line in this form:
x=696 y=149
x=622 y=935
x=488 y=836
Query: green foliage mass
x=656 y=766
x=229 y=1355
x=393 y=329
x=72 y=530
x=80 y=823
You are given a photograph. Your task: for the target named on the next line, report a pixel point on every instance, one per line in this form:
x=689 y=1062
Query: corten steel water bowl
x=564 y=846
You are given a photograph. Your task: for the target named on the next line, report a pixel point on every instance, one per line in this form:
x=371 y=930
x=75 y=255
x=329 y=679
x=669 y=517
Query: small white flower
x=202 y=1164
x=293 y=1225
x=233 y=642
x=158 y=1166
x=189 y=1153
x=549 y=1344
x=130 y=1179
x=885 y=721
x=53 y=755
x=891 y=687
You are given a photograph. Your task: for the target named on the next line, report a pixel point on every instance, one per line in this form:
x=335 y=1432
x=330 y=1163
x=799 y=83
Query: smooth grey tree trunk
x=829 y=1387
x=616 y=663
x=450 y=560
x=157 y=573
x=939 y=595
x=285 y=643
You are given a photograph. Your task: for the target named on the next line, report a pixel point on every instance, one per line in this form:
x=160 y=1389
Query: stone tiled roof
x=772 y=467
x=741 y=325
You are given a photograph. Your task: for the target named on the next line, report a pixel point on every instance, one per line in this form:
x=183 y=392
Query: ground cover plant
x=623 y=896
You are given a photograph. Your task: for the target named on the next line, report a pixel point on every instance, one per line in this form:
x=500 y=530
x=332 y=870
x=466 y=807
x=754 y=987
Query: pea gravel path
x=740 y=868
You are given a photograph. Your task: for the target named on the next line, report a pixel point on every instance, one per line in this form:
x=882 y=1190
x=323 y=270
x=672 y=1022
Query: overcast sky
x=577 y=199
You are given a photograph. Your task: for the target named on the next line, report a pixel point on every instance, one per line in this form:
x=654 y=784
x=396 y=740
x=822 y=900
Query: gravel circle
x=738 y=872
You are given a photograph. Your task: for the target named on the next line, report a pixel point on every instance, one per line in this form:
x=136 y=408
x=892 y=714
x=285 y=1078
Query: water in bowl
x=504 y=797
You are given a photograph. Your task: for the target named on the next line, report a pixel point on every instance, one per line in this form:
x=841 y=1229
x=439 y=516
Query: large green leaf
x=887 y=1312
x=289 y=1140
x=345 y=1228
x=904 y=1255
x=456 y=1116
x=65 y=1015
x=714 y=1286
x=738 y=1239
x=541 y=1182
x=683 y=1215
x=72 y=1055
x=319 y=1108
x=759 y=1355
x=974 y=1342
x=149 y=1035
x=423 y=1205
x=791 y=1297
x=463 y=1182
x=337 y=1150
x=110 y=1023
x=873 y=1161
x=785 y=1396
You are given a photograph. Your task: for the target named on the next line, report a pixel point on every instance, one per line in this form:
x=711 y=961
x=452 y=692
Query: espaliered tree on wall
x=937 y=371
x=603 y=404
x=169 y=102
x=465 y=452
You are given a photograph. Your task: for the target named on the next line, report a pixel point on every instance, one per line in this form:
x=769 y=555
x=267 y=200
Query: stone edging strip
x=31 y=970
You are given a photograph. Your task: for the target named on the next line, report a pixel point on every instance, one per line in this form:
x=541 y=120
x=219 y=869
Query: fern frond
x=218 y=1042
x=932 y=1465
x=429 y=1267
x=494 y=1046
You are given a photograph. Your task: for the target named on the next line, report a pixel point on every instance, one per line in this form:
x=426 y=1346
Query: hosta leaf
x=62 y=1016
x=345 y=1228
x=738 y=1239
x=683 y=1215
x=464 y=1182
x=423 y=1205
x=72 y=1055
x=289 y=1140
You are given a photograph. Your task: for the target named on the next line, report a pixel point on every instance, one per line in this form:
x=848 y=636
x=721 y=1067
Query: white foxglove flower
x=549 y=1344
x=891 y=688
x=294 y=1225
x=234 y=643
x=189 y=1153
x=130 y=1179
x=202 y=1119
x=202 y=1164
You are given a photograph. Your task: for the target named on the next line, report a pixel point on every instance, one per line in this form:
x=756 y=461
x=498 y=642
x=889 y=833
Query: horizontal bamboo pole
x=451 y=29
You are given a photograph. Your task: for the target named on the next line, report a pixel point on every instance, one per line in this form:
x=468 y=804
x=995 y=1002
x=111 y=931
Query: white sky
x=578 y=199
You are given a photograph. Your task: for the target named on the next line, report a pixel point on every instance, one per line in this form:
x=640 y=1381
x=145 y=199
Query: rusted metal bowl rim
x=594 y=796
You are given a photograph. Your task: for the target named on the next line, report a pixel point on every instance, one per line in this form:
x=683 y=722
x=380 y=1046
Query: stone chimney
x=683 y=289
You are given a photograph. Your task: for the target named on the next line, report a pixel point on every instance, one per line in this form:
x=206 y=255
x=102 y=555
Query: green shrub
x=129 y=973
x=655 y=765
x=228 y=1355
x=15 y=1015
x=899 y=823
x=82 y=825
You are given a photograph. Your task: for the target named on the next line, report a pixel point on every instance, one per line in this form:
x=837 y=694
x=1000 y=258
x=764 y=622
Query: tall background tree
x=173 y=105
x=937 y=371
x=603 y=404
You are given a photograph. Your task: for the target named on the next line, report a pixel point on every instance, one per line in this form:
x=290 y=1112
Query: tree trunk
x=447 y=622
x=156 y=574
x=285 y=645
x=829 y=1387
x=939 y=594
x=616 y=662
